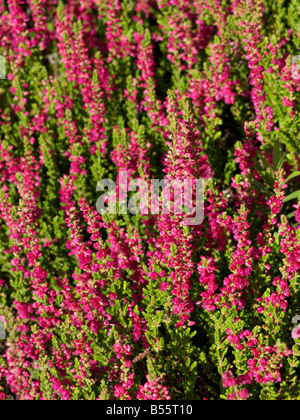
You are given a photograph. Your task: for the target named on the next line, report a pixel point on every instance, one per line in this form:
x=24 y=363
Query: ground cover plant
x=136 y=306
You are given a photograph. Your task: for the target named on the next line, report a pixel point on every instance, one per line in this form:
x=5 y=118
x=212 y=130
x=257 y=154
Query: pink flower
x=296 y=332
x=244 y=394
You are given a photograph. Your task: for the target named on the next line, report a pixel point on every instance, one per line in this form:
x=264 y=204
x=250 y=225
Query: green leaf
x=291 y=196
x=281 y=162
x=293 y=175
x=278 y=152
x=261 y=188
x=193 y=366
x=290 y=215
x=265 y=170
x=263 y=160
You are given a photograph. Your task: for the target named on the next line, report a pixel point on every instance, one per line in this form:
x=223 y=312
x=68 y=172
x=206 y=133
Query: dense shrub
x=143 y=306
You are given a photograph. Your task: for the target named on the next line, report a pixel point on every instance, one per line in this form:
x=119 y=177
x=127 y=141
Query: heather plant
x=139 y=306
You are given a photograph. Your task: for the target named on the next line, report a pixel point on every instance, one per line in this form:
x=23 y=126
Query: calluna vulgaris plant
x=142 y=306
